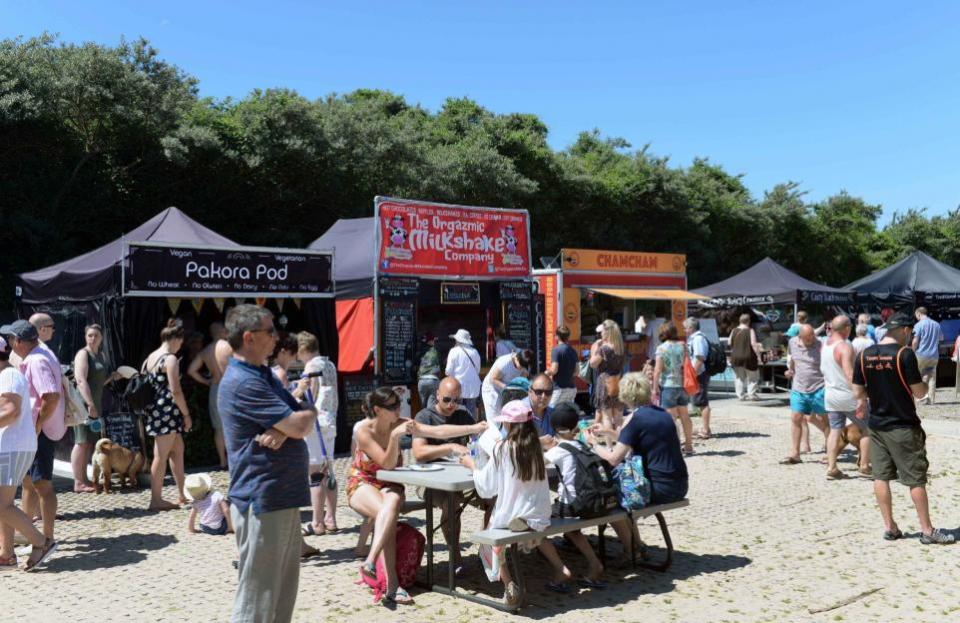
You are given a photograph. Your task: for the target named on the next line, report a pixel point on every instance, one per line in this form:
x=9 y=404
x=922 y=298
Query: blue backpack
x=634 y=486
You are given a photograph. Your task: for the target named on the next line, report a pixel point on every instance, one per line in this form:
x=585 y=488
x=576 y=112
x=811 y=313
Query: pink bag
x=410 y=545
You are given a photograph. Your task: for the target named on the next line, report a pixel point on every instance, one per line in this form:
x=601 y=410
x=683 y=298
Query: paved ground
x=761 y=542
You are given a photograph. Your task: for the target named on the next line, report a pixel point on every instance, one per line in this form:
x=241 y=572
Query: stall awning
x=642 y=294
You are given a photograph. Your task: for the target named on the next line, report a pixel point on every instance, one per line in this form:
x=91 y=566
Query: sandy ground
x=760 y=542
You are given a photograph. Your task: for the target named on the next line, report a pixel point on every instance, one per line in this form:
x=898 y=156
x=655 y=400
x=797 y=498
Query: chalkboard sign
x=399 y=340
x=123 y=428
x=516 y=291
x=460 y=293
x=399 y=287
x=518 y=320
x=355 y=388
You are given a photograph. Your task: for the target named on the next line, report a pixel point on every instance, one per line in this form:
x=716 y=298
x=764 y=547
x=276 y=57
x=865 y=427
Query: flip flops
x=558 y=587
x=310 y=530
x=49 y=547
x=790 y=460
x=588 y=583
x=892 y=536
x=368 y=571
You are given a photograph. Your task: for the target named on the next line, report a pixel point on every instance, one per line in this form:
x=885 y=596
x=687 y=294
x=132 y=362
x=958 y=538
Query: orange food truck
x=589 y=286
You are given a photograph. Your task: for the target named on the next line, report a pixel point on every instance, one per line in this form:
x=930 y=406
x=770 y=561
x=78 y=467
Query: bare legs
x=221 y=447
x=12 y=518
x=163 y=450
x=79 y=458
x=705 y=421
x=42 y=494
x=383 y=506
x=683 y=416
x=881 y=488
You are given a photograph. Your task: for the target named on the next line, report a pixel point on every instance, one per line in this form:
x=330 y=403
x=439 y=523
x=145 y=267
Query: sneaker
x=937 y=537
x=511 y=595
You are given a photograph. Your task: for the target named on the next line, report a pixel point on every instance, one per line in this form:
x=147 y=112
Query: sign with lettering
x=518 y=321
x=516 y=291
x=122 y=428
x=432 y=239
x=459 y=293
x=178 y=270
x=824 y=297
x=399 y=340
x=591 y=260
x=399 y=287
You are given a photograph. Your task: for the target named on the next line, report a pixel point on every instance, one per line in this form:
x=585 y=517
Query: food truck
x=590 y=285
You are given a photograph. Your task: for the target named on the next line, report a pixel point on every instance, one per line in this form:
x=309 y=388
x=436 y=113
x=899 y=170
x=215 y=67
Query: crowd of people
x=276 y=432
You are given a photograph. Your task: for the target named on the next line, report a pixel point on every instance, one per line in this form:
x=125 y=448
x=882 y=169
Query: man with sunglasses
x=450 y=426
x=541 y=391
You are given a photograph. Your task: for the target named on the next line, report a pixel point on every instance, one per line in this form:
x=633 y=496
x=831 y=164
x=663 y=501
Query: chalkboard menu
x=355 y=387
x=399 y=340
x=516 y=291
x=123 y=428
x=518 y=320
x=460 y=293
x=399 y=287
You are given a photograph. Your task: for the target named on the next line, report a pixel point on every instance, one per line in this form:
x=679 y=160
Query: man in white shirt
x=463 y=363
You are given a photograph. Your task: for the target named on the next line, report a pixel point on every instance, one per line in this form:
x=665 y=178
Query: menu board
x=516 y=291
x=399 y=287
x=399 y=340
x=123 y=428
x=355 y=388
x=518 y=320
x=460 y=293
x=539 y=332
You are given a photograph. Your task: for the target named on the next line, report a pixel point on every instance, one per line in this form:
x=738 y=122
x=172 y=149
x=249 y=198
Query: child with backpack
x=587 y=487
x=517 y=476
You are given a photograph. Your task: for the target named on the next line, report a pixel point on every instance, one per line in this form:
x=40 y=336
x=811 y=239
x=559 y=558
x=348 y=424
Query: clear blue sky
x=862 y=96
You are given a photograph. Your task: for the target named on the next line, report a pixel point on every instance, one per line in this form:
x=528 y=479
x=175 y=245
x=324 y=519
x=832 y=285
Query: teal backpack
x=634 y=486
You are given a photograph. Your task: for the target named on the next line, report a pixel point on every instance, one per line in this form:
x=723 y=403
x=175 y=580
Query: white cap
x=463 y=337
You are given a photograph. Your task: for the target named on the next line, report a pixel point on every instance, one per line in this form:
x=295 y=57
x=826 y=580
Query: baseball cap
x=900 y=319
x=22 y=330
x=515 y=412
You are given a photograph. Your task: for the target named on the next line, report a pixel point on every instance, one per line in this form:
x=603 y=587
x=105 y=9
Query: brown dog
x=109 y=457
x=851 y=435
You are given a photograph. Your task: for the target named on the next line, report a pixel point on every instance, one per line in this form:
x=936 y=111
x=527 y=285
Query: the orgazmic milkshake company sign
x=174 y=270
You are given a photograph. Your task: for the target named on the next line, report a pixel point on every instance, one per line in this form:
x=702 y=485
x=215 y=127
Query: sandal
x=330 y=526
x=49 y=547
x=8 y=564
x=368 y=571
x=310 y=530
x=558 y=587
x=402 y=597
x=790 y=460
x=511 y=595
x=689 y=452
x=308 y=553
x=588 y=583
x=892 y=536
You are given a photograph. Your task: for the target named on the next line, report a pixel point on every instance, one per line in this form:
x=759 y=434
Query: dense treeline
x=95 y=139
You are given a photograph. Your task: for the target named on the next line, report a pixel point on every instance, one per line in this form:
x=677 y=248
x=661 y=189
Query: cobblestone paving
x=760 y=542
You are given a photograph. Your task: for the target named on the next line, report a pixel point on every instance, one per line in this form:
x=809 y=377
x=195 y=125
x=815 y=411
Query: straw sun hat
x=197 y=486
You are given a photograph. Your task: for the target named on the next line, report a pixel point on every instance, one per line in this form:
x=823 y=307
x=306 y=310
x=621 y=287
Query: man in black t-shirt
x=563 y=368
x=450 y=427
x=888 y=374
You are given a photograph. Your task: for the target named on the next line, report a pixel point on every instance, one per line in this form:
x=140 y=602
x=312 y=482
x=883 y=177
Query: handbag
x=691 y=384
x=583 y=370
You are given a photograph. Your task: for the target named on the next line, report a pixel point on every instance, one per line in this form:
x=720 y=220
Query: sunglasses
x=541 y=392
x=448 y=399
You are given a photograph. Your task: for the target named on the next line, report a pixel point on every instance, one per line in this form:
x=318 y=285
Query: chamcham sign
x=437 y=240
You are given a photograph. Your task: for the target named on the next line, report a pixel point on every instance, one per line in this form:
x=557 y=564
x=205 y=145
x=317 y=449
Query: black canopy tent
x=769 y=283
x=89 y=288
x=917 y=279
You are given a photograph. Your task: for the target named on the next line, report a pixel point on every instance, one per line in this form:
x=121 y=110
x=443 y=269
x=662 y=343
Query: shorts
x=82 y=433
x=838 y=420
x=671 y=397
x=899 y=454
x=14 y=466
x=927 y=366
x=701 y=398
x=42 y=468
x=807 y=403
x=212 y=407
x=218 y=531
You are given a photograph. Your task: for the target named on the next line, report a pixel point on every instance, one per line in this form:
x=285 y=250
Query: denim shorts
x=671 y=397
x=838 y=420
x=807 y=403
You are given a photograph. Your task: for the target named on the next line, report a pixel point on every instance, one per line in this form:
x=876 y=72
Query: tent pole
x=796 y=310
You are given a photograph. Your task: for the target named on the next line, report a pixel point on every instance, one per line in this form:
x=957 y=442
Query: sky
x=855 y=96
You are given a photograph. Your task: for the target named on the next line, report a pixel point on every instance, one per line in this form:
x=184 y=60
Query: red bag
x=410 y=545
x=691 y=384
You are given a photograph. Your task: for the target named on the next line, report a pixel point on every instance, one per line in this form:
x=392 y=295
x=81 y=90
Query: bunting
x=173 y=302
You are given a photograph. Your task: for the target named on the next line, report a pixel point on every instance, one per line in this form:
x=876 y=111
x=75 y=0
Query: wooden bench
x=507 y=538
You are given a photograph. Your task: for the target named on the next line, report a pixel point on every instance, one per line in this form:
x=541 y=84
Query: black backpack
x=716 y=358
x=140 y=392
x=594 y=483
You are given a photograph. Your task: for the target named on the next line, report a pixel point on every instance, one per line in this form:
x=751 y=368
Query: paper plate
x=426 y=468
